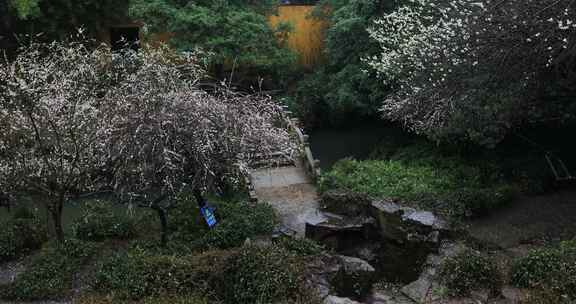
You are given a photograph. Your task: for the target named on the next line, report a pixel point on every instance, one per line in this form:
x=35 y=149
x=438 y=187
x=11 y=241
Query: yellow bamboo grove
x=306 y=39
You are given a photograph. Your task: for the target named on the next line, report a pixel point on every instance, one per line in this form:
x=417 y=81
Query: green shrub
x=469 y=271
x=99 y=222
x=552 y=269
x=469 y=202
x=137 y=274
x=21 y=235
x=50 y=274
x=263 y=275
x=135 y=277
x=300 y=246
x=237 y=220
x=105 y=299
x=248 y=275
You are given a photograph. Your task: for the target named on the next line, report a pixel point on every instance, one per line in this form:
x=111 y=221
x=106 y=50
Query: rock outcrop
x=341 y=276
x=424 y=289
x=393 y=238
x=405 y=224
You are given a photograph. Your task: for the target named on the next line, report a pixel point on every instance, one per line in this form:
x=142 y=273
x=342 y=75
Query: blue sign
x=208 y=214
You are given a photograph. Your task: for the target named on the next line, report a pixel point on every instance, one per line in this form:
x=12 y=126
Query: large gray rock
x=340 y=233
x=355 y=278
x=405 y=224
x=340 y=275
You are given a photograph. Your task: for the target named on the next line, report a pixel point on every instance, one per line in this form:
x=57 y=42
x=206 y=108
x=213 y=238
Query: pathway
x=529 y=220
x=291 y=192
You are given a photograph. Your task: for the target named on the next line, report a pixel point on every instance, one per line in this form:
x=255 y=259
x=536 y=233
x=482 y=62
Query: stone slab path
x=292 y=193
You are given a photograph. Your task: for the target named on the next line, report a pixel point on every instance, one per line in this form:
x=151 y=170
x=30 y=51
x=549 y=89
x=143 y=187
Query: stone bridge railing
x=311 y=164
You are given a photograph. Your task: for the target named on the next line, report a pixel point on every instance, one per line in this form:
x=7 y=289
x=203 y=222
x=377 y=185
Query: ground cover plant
x=244 y=275
x=238 y=220
x=51 y=272
x=552 y=270
x=98 y=222
x=422 y=176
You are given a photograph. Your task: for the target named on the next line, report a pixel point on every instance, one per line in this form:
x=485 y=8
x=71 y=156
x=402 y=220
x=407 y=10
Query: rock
x=9 y=271
x=321 y=272
x=481 y=296
x=339 y=300
x=345 y=203
x=340 y=233
x=387 y=297
x=405 y=224
x=355 y=278
x=368 y=251
x=515 y=295
x=423 y=290
x=419 y=289
x=258 y=241
x=352 y=265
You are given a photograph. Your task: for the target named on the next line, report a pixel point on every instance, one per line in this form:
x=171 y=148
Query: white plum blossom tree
x=475 y=69
x=51 y=126
x=172 y=135
x=76 y=120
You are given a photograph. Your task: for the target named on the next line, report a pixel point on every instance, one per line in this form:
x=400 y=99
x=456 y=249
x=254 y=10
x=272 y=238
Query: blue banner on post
x=209 y=217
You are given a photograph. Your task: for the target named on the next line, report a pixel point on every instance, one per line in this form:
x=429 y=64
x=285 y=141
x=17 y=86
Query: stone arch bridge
x=288 y=183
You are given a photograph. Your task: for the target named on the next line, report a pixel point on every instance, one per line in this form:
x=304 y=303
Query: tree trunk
x=56 y=213
x=163 y=225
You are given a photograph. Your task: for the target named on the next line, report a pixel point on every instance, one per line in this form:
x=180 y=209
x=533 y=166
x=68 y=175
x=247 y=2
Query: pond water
x=356 y=141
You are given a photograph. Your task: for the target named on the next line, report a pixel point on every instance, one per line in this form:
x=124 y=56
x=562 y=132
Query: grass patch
x=423 y=177
x=552 y=270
